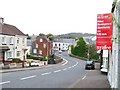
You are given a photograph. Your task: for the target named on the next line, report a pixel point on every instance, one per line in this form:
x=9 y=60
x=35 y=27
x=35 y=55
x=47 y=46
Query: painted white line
x=69 y=67
x=65 y=62
x=57 y=71
x=28 y=77
x=4 y=82
x=46 y=73
x=83 y=77
x=73 y=66
x=64 y=69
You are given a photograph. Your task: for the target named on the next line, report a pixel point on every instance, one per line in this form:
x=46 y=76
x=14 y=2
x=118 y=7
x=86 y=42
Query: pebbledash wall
x=12 y=38
x=114 y=55
x=15 y=47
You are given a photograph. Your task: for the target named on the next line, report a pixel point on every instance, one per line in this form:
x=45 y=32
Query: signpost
x=104 y=32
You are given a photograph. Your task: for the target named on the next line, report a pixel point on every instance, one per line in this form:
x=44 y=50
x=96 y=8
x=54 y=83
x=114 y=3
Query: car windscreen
x=89 y=62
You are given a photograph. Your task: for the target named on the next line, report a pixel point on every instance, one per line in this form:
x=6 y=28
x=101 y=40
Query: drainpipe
x=101 y=59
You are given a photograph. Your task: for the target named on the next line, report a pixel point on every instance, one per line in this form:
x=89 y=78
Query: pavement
x=92 y=79
x=31 y=68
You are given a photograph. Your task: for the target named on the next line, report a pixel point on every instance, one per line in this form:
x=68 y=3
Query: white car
x=60 y=51
x=33 y=63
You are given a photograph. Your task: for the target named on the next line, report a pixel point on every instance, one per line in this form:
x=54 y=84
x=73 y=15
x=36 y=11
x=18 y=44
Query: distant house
x=42 y=46
x=29 y=46
x=12 y=42
x=63 y=44
x=60 y=46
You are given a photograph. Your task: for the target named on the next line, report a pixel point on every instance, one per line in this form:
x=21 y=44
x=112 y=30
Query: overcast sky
x=54 y=16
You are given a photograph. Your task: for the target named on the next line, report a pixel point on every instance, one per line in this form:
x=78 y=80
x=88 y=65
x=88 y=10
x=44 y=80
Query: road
x=58 y=76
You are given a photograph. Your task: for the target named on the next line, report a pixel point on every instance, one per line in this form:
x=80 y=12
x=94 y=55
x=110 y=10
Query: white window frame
x=40 y=52
x=18 y=53
x=35 y=51
x=36 y=45
x=44 y=45
x=23 y=41
x=41 y=40
x=18 y=40
x=9 y=54
x=4 y=40
x=11 y=40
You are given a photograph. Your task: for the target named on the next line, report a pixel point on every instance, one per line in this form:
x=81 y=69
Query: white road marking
x=4 y=82
x=73 y=66
x=83 y=77
x=57 y=71
x=64 y=69
x=65 y=62
x=46 y=73
x=28 y=77
x=69 y=67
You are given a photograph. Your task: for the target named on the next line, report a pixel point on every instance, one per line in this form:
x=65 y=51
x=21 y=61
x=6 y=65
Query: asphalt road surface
x=58 y=76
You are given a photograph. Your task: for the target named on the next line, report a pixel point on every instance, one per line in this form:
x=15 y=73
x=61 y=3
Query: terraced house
x=12 y=42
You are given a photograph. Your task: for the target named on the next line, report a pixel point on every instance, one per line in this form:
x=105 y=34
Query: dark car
x=90 y=65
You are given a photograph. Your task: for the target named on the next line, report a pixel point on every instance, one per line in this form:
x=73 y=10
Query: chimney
x=1 y=20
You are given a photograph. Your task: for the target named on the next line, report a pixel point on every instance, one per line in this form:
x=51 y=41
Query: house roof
x=10 y=30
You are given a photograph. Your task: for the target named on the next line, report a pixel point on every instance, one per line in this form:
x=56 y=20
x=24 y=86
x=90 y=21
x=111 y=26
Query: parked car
x=60 y=51
x=90 y=65
x=33 y=63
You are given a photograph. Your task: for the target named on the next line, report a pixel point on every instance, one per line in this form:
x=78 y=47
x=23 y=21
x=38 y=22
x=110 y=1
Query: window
x=55 y=44
x=41 y=40
x=11 y=40
x=44 y=45
x=18 y=53
x=23 y=41
x=34 y=51
x=36 y=45
x=18 y=41
x=9 y=54
x=3 y=40
x=40 y=51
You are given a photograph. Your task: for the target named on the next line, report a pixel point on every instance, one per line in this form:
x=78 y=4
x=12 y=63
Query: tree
x=93 y=52
x=50 y=36
x=80 y=49
x=28 y=37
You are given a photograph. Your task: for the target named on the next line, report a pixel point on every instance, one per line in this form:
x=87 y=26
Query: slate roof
x=10 y=30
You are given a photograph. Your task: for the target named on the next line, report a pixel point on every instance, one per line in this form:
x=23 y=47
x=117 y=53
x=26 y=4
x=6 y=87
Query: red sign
x=104 y=32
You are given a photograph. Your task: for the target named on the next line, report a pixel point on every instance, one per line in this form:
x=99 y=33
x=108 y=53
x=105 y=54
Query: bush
x=16 y=60
x=41 y=58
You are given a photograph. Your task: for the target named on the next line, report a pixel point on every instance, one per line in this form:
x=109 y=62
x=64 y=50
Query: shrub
x=16 y=60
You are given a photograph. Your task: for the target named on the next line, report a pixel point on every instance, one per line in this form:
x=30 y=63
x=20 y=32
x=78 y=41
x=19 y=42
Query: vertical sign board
x=104 y=32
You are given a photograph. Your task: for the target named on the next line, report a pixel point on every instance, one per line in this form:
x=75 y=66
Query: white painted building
x=64 y=44
x=13 y=42
x=60 y=46
x=114 y=55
